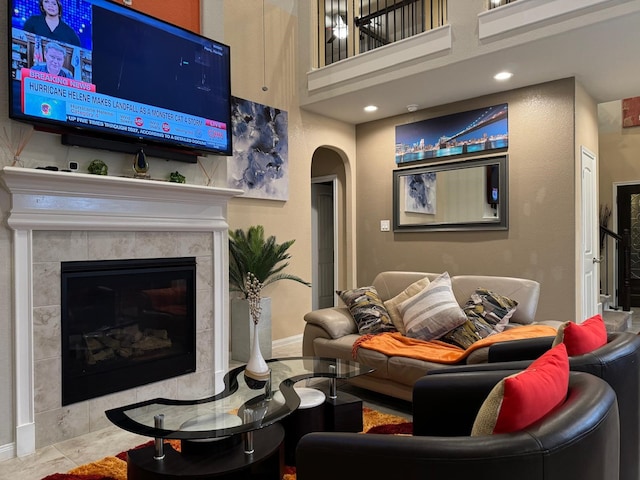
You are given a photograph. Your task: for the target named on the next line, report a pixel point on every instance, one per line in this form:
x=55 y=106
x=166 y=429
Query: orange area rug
x=115 y=468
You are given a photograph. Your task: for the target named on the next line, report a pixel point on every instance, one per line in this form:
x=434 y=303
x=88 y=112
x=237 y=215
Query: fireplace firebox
x=126 y=323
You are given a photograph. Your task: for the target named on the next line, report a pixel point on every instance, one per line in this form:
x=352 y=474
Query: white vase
x=256 y=364
x=242 y=329
x=257 y=374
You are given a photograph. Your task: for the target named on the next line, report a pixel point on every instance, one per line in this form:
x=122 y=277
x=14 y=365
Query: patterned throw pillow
x=522 y=399
x=392 y=304
x=367 y=310
x=432 y=312
x=463 y=336
x=583 y=337
x=487 y=313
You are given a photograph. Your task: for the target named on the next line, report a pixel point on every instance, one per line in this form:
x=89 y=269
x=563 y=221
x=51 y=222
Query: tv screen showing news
x=100 y=68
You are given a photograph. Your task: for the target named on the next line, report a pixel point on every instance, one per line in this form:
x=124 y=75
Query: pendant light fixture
x=264 y=52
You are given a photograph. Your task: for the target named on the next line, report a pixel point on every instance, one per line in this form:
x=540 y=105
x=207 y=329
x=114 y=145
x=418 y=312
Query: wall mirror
x=466 y=195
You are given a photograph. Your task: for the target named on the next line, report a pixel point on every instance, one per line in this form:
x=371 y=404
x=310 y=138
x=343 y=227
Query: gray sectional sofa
x=331 y=332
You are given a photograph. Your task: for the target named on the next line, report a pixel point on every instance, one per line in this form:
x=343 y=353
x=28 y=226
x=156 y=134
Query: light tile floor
x=63 y=456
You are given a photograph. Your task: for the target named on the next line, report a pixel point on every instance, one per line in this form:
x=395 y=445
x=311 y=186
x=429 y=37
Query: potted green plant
x=250 y=252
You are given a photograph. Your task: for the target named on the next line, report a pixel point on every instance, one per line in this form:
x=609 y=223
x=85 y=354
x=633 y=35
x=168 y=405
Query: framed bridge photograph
x=472 y=132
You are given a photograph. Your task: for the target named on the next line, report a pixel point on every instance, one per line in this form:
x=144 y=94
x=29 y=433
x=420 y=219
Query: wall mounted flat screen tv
x=107 y=76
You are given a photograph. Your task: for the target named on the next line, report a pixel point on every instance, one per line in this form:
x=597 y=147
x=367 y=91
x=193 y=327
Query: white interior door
x=590 y=243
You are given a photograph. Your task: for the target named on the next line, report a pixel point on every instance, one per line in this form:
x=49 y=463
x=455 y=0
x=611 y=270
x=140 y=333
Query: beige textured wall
x=540 y=242
x=307 y=132
x=619 y=151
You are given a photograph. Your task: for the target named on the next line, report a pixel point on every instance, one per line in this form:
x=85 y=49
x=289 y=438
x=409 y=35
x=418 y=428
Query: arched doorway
x=328 y=224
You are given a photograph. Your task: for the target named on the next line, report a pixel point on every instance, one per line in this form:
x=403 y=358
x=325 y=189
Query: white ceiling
x=603 y=57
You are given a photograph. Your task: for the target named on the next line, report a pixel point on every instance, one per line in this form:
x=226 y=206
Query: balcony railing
x=616 y=249
x=499 y=3
x=349 y=27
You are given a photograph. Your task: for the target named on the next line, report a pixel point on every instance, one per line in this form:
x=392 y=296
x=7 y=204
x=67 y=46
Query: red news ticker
x=213 y=123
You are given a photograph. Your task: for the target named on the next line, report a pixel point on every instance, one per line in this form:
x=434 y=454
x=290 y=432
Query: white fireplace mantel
x=48 y=200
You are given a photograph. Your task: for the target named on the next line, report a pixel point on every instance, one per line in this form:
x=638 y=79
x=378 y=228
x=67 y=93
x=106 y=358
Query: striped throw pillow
x=432 y=312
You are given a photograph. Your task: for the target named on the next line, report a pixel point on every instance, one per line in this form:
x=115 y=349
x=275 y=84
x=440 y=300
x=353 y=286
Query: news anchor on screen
x=49 y=23
x=54 y=55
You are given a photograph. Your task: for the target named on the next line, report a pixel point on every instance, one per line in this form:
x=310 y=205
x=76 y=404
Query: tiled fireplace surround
x=57 y=216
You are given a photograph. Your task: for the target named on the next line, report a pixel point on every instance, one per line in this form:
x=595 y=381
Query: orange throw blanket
x=394 y=344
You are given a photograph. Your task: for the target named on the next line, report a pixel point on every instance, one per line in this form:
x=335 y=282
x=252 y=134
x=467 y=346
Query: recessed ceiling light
x=503 y=76
x=370 y=108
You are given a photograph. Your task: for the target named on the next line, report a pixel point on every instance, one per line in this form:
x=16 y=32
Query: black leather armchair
x=577 y=441
x=617 y=362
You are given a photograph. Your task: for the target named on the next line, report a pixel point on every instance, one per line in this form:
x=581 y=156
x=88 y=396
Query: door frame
x=589 y=243
x=614 y=218
x=333 y=180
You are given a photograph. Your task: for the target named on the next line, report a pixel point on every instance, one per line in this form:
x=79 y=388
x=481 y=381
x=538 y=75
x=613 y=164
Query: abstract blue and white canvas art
x=420 y=193
x=260 y=164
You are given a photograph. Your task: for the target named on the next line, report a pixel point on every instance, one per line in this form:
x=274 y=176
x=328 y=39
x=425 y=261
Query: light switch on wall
x=385 y=225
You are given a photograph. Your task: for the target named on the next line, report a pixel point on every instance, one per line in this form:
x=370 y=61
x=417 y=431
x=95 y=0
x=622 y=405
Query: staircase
x=615 y=320
x=617 y=251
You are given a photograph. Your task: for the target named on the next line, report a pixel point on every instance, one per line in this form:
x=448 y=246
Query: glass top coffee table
x=241 y=407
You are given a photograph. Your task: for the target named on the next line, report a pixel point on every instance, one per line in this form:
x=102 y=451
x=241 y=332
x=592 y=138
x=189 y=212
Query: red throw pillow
x=581 y=338
x=524 y=398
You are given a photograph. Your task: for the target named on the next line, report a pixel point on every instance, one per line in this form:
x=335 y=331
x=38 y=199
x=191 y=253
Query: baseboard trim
x=283 y=342
x=7 y=451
